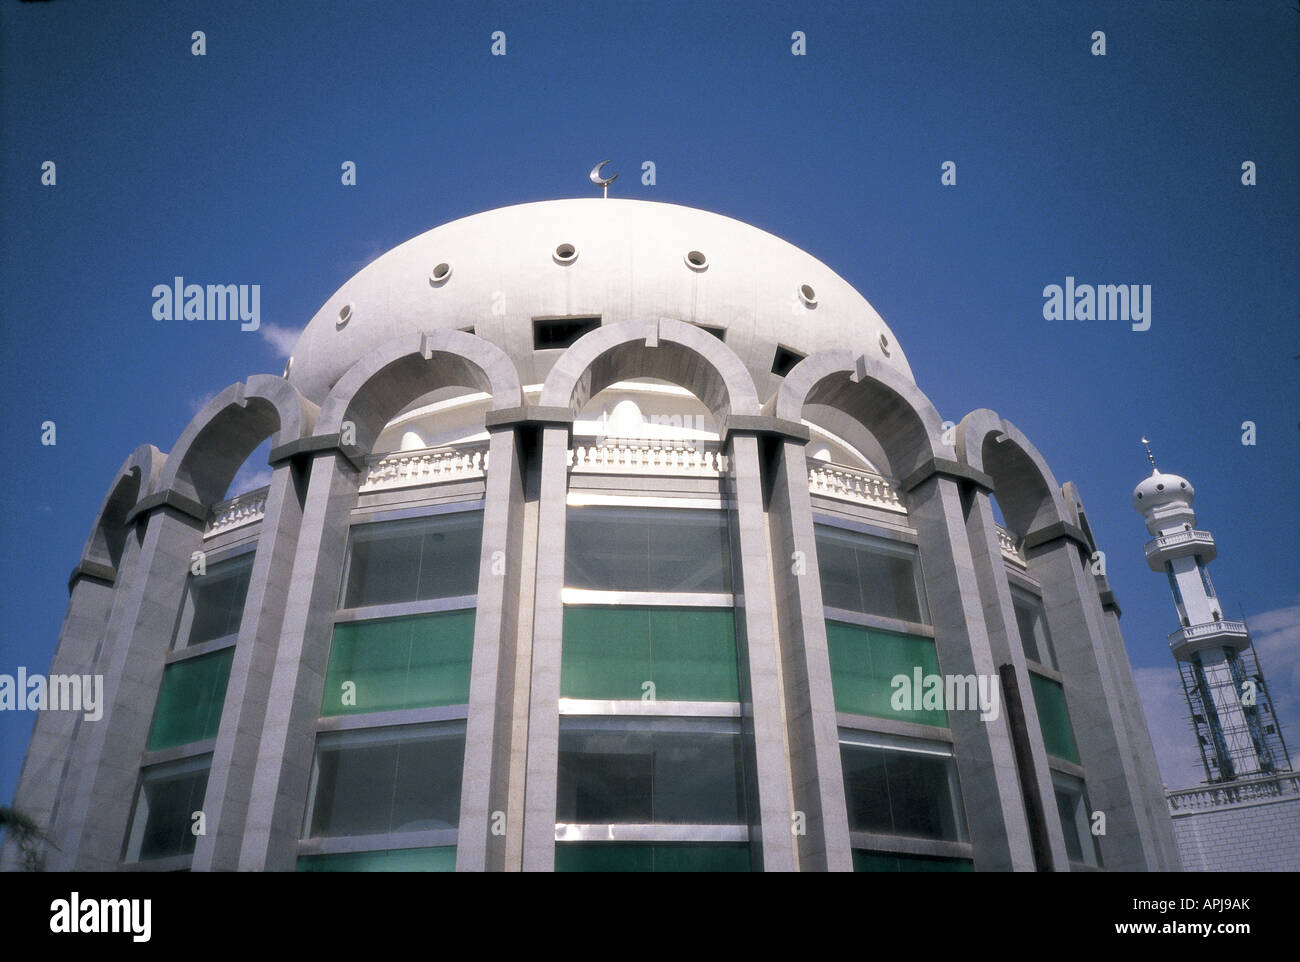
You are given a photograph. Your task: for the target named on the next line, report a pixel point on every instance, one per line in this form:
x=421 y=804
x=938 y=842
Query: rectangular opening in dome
x=560 y=332
x=784 y=360
x=719 y=332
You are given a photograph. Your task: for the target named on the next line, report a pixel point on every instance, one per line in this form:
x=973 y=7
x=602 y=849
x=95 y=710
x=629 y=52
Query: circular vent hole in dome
x=1160 y=487
x=808 y=295
x=565 y=253
x=884 y=345
x=696 y=261
x=345 y=314
x=440 y=273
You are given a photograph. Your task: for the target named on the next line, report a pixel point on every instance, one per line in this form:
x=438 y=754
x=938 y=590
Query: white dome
x=1161 y=489
x=497 y=271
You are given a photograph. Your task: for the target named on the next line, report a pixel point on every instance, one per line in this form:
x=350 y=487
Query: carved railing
x=408 y=469
x=853 y=484
x=697 y=458
x=236 y=512
x=1010 y=549
x=1209 y=797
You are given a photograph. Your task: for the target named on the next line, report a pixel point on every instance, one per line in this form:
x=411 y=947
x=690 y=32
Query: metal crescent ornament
x=597 y=179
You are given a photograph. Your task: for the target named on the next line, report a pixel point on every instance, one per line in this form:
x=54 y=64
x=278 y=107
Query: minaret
x=1231 y=710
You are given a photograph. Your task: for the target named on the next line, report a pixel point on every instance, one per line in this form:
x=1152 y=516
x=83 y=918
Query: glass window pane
x=417 y=662
x=665 y=770
x=611 y=652
x=866 y=861
x=647 y=549
x=694 y=857
x=901 y=792
x=169 y=796
x=413 y=560
x=1032 y=624
x=1053 y=718
x=214 y=602
x=440 y=859
x=385 y=780
x=1071 y=805
x=870 y=575
x=190 y=699
x=864 y=663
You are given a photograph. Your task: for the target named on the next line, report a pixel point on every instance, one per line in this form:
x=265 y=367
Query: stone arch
x=135 y=479
x=1024 y=485
x=220 y=438
x=663 y=348
x=381 y=383
x=903 y=421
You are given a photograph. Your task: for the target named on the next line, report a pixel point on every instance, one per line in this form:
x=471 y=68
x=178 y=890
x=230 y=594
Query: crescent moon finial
x=599 y=181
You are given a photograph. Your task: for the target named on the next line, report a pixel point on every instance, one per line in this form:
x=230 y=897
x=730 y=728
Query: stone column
x=485 y=785
x=140 y=635
x=761 y=700
x=1004 y=640
x=547 y=649
x=985 y=755
x=45 y=766
x=1079 y=637
x=243 y=715
x=817 y=776
x=278 y=795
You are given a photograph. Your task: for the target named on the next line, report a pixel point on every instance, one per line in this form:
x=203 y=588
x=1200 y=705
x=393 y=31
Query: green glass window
x=415 y=559
x=169 y=795
x=647 y=549
x=1071 y=805
x=377 y=781
x=606 y=857
x=865 y=861
x=190 y=700
x=688 y=653
x=865 y=661
x=214 y=602
x=870 y=575
x=901 y=787
x=650 y=770
x=417 y=662
x=440 y=859
x=1032 y=624
x=1054 y=718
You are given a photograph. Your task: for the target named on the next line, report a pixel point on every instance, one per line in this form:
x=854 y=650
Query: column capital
x=92 y=569
x=1056 y=531
x=961 y=473
x=170 y=498
x=315 y=443
x=530 y=415
x=764 y=425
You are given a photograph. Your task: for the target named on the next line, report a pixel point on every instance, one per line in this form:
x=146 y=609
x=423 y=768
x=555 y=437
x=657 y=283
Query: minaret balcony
x=1180 y=544
x=1185 y=642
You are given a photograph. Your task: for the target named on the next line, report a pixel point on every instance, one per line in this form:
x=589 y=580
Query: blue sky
x=1125 y=168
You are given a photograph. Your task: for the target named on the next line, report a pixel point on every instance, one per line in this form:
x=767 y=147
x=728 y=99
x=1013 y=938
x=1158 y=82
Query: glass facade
x=613 y=857
x=437 y=859
x=416 y=559
x=420 y=661
x=647 y=549
x=897 y=786
x=870 y=575
x=866 y=661
x=1032 y=624
x=214 y=602
x=867 y=861
x=1072 y=806
x=190 y=699
x=650 y=771
x=1054 y=718
x=169 y=795
x=380 y=781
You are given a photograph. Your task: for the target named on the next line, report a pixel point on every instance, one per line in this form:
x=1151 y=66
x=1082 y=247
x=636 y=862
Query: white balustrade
x=851 y=484
x=236 y=512
x=408 y=469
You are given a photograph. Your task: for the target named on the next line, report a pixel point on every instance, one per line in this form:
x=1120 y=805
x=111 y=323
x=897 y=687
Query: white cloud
x=1276 y=635
x=199 y=403
x=282 y=339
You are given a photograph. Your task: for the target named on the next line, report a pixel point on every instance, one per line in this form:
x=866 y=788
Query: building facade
x=600 y=534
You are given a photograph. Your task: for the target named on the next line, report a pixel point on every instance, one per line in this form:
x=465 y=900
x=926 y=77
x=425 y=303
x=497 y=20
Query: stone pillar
x=45 y=767
x=282 y=771
x=761 y=699
x=817 y=776
x=985 y=755
x=243 y=715
x=1007 y=649
x=1079 y=637
x=140 y=635
x=547 y=650
x=485 y=785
